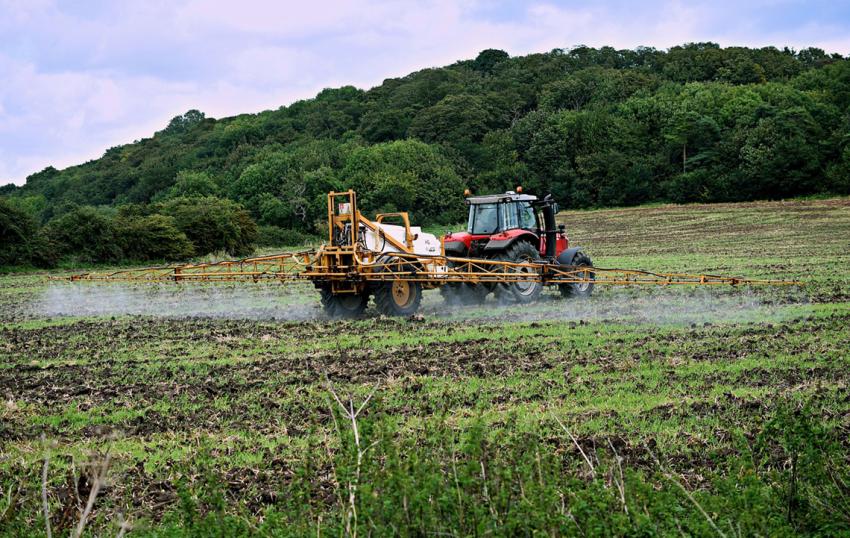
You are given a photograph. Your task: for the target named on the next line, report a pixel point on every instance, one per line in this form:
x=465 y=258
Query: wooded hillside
x=596 y=127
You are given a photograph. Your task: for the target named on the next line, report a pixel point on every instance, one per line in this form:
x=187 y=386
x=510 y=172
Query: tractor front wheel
x=343 y=305
x=580 y=289
x=522 y=291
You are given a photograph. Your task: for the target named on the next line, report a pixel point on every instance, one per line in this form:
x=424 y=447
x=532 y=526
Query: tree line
x=595 y=127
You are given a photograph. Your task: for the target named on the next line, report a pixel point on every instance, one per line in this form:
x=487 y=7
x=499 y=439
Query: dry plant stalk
x=620 y=483
x=99 y=478
x=123 y=526
x=578 y=446
x=44 y=504
x=352 y=414
x=669 y=476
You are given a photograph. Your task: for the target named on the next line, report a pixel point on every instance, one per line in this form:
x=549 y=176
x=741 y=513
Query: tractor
x=513 y=227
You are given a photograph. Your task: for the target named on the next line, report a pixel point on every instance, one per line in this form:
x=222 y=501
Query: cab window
x=483 y=219
x=510 y=220
x=527 y=219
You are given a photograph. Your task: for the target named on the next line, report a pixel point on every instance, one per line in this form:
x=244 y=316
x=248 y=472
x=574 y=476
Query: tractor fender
x=455 y=248
x=495 y=245
x=566 y=257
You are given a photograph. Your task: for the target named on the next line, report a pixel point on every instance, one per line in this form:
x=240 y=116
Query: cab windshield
x=486 y=219
x=483 y=219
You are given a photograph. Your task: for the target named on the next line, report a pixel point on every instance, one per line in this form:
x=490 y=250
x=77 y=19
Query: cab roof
x=509 y=196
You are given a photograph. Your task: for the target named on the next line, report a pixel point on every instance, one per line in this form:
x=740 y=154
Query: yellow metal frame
x=408 y=235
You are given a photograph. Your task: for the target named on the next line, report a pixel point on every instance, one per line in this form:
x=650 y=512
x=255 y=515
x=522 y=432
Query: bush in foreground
x=789 y=480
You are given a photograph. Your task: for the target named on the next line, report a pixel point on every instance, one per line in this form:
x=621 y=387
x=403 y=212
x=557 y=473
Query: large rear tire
x=523 y=291
x=343 y=305
x=579 y=289
x=398 y=297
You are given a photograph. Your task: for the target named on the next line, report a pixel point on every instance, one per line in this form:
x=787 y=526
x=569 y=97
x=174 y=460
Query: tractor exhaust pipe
x=551 y=228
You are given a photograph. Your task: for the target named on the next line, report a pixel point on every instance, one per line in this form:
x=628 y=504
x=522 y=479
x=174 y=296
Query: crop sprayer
x=512 y=247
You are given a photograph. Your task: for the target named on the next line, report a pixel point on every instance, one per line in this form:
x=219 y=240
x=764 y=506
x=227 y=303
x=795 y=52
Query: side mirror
x=562 y=228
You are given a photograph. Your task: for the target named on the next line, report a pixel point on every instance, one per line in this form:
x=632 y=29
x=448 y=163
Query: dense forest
x=595 y=127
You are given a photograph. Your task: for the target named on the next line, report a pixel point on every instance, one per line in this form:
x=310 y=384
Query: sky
x=79 y=77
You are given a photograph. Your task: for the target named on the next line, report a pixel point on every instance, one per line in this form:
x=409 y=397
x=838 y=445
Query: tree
x=610 y=178
x=152 y=237
x=740 y=68
x=382 y=124
x=693 y=62
x=17 y=229
x=456 y=119
x=407 y=175
x=813 y=57
x=695 y=122
x=191 y=183
x=594 y=85
x=838 y=174
x=183 y=123
x=266 y=176
x=778 y=159
x=212 y=224
x=287 y=188
x=831 y=83
x=85 y=234
x=488 y=59
x=691 y=135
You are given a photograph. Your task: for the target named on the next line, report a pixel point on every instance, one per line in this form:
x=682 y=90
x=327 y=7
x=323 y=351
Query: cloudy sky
x=77 y=77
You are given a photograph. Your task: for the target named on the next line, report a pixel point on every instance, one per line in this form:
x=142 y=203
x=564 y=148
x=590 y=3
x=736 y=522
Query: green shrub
x=407 y=175
x=16 y=230
x=445 y=481
x=838 y=174
x=152 y=237
x=191 y=183
x=212 y=224
x=42 y=251
x=275 y=236
x=84 y=234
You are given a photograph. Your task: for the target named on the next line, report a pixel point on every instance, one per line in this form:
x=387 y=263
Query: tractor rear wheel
x=343 y=305
x=580 y=289
x=398 y=297
x=522 y=291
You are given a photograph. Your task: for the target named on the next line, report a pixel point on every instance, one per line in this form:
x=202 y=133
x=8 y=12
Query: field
x=227 y=410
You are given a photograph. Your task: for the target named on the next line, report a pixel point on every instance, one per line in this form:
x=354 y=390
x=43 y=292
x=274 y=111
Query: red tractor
x=513 y=227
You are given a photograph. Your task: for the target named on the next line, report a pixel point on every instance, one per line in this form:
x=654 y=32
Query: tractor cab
x=497 y=221
x=498 y=213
